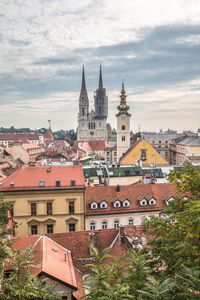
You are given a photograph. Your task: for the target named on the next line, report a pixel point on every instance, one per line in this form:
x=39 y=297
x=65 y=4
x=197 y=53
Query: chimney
x=92 y=242
x=147 y=179
x=118 y=188
x=121 y=234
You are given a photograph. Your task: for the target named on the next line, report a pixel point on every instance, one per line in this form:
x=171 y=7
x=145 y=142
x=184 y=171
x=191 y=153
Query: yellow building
x=46 y=199
x=144 y=152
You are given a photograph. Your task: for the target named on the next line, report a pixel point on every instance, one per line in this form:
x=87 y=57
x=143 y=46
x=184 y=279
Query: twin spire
x=83 y=85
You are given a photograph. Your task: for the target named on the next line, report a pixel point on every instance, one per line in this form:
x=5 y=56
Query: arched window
x=123 y=127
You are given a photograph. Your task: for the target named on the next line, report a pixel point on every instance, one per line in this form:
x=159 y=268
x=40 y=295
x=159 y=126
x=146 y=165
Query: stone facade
x=92 y=125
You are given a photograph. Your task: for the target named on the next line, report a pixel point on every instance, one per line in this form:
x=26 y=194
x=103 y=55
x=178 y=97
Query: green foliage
x=12 y=129
x=135 y=136
x=20 y=284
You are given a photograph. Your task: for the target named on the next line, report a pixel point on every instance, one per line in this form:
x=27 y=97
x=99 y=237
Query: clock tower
x=123 y=125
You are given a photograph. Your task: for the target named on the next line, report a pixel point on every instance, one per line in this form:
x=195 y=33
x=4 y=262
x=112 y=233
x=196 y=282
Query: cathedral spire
x=100 y=79
x=83 y=85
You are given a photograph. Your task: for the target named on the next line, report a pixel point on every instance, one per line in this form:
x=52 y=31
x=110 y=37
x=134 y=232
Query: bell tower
x=123 y=125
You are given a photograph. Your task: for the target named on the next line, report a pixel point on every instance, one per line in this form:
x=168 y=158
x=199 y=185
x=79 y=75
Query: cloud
x=153 y=45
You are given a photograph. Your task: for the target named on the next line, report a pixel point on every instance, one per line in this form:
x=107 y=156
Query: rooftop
x=44 y=178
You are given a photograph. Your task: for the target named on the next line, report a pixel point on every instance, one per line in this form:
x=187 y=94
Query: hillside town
x=68 y=196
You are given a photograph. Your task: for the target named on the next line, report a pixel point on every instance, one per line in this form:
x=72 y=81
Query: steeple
x=100 y=79
x=123 y=108
x=83 y=99
x=83 y=85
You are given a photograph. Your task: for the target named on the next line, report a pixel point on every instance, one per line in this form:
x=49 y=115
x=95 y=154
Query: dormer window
x=73 y=182
x=94 y=205
x=117 y=204
x=57 y=182
x=103 y=204
x=152 y=201
x=143 y=202
x=42 y=183
x=169 y=200
x=126 y=203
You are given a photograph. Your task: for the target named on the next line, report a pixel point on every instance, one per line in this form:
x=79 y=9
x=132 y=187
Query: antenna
x=49 y=121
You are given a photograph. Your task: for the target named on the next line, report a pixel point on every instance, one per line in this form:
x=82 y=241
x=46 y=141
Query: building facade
x=92 y=124
x=115 y=206
x=186 y=149
x=123 y=125
x=46 y=199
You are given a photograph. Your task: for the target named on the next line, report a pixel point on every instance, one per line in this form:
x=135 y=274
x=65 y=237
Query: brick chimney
x=121 y=234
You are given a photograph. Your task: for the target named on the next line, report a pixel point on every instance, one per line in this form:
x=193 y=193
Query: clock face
x=123 y=116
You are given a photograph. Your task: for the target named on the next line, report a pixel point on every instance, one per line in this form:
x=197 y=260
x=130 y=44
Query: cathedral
x=92 y=125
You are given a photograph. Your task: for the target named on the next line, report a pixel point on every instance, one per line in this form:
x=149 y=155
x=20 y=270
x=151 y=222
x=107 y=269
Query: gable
x=142 y=150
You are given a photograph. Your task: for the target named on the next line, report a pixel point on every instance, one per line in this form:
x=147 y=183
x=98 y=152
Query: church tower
x=83 y=100
x=101 y=100
x=123 y=125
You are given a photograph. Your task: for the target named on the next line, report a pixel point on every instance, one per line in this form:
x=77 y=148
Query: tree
x=20 y=284
x=177 y=234
x=106 y=279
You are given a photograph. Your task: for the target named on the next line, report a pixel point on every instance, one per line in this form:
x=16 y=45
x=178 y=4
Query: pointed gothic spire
x=100 y=79
x=83 y=85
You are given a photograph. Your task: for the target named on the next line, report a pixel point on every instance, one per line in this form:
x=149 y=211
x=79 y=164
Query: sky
x=154 y=46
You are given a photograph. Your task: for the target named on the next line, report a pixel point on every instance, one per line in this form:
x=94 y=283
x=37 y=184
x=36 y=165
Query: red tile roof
x=50 y=258
x=79 y=243
x=29 y=178
x=134 y=193
x=49 y=134
x=18 y=136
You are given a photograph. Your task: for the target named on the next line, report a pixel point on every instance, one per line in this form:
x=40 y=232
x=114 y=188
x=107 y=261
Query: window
x=42 y=183
x=116 y=223
x=92 y=225
x=117 y=204
x=123 y=127
x=34 y=229
x=130 y=222
x=143 y=154
x=152 y=201
x=73 y=182
x=123 y=138
x=127 y=172
x=126 y=203
x=103 y=204
x=49 y=208
x=12 y=210
x=33 y=209
x=143 y=202
x=49 y=228
x=104 y=224
x=94 y=205
x=72 y=227
x=83 y=113
x=57 y=182
x=71 y=207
